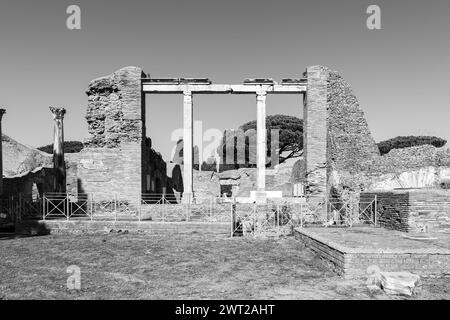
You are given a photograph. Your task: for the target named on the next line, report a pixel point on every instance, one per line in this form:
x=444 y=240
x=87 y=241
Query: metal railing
x=172 y=207
x=352 y=211
x=277 y=217
x=268 y=220
x=19 y=207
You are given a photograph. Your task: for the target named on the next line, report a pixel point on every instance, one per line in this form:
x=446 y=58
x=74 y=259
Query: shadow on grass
x=25 y=229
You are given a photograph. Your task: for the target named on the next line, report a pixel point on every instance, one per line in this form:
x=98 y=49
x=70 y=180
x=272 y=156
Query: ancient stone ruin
x=340 y=156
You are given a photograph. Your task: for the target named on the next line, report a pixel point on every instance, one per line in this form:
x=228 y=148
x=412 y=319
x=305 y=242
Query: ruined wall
x=392 y=208
x=353 y=159
x=154 y=170
x=350 y=143
x=416 y=167
x=429 y=211
x=401 y=160
x=336 y=135
x=111 y=160
x=315 y=137
x=71 y=161
x=412 y=210
x=39 y=180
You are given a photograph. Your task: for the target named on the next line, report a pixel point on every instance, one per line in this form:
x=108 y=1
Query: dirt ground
x=141 y=266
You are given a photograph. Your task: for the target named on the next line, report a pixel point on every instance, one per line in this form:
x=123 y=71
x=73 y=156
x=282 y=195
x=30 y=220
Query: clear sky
x=400 y=74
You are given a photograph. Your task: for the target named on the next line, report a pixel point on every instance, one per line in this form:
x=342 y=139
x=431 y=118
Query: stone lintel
x=222 y=89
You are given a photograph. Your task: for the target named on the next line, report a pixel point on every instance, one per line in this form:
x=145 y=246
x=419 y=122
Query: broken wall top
x=115 y=109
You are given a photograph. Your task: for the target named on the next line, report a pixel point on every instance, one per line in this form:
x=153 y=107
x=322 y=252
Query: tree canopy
x=290 y=140
x=409 y=141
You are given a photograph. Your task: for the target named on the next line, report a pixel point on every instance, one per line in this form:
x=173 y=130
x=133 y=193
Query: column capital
x=2 y=112
x=58 y=113
x=187 y=93
x=261 y=94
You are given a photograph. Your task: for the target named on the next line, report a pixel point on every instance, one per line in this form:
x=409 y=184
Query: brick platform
x=351 y=251
x=85 y=226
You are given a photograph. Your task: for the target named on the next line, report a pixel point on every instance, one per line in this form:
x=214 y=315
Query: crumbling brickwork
x=353 y=161
x=336 y=134
x=112 y=160
x=400 y=160
x=315 y=135
x=350 y=143
x=115 y=109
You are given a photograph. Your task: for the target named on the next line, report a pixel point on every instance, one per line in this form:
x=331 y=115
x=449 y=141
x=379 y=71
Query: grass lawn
x=141 y=266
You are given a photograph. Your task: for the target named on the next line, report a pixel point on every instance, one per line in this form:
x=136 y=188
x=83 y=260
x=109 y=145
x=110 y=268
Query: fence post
x=90 y=199
x=43 y=206
x=278 y=220
x=231 y=221
x=376 y=213
x=68 y=206
x=164 y=212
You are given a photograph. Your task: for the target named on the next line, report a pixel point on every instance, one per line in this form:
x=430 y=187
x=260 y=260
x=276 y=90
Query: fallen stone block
x=400 y=283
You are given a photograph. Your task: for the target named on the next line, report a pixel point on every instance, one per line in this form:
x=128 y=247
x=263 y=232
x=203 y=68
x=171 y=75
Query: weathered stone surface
x=298 y=171
x=349 y=139
x=19 y=158
x=116 y=157
x=399 y=283
x=206 y=184
x=114 y=112
x=315 y=135
x=230 y=175
x=336 y=135
x=353 y=159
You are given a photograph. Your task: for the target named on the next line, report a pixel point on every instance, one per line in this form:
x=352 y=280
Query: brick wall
x=315 y=135
x=413 y=211
x=111 y=161
x=429 y=211
x=353 y=265
x=350 y=142
x=392 y=207
x=336 y=134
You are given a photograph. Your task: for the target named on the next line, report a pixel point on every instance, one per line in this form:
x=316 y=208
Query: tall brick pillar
x=111 y=162
x=315 y=138
x=59 y=165
x=2 y=112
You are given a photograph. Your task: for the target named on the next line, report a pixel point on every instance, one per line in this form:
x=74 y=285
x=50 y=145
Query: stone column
x=59 y=165
x=187 y=147
x=261 y=143
x=2 y=112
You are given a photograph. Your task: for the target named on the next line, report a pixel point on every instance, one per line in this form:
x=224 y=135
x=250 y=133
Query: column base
x=261 y=197
x=187 y=197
